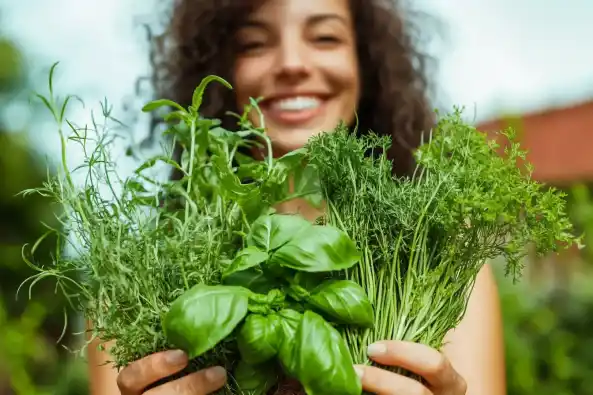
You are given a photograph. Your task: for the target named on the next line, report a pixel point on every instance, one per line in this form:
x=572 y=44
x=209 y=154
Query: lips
x=293 y=110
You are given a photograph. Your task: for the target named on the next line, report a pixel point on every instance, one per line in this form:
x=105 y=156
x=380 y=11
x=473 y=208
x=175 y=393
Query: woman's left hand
x=422 y=360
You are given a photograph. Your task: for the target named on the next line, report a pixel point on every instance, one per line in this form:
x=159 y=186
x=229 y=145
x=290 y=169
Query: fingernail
x=359 y=371
x=376 y=349
x=176 y=357
x=216 y=374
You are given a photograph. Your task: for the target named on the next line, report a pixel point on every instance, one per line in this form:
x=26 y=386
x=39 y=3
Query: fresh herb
x=204 y=263
x=425 y=237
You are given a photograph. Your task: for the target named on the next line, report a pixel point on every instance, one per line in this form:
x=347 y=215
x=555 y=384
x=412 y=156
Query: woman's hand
x=422 y=360
x=137 y=376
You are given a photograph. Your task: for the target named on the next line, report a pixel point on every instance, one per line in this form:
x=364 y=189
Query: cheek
x=345 y=76
x=247 y=80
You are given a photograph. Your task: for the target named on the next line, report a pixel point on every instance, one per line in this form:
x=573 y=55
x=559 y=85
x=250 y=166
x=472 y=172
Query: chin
x=290 y=140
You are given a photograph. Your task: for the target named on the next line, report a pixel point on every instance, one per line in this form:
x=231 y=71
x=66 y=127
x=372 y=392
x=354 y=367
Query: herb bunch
x=203 y=263
x=425 y=237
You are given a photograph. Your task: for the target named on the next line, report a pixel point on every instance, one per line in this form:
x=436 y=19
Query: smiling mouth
x=293 y=110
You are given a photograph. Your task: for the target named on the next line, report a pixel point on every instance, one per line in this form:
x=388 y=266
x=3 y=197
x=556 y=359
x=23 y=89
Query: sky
x=493 y=55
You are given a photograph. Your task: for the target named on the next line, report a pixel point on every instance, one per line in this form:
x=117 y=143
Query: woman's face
x=300 y=57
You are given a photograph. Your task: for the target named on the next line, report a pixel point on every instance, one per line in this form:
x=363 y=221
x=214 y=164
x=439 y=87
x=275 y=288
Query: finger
x=203 y=382
x=383 y=382
x=417 y=358
x=138 y=375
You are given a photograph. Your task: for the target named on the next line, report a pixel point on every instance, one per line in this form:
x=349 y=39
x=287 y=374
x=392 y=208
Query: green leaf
x=204 y=315
x=267 y=303
x=253 y=279
x=270 y=232
x=247 y=258
x=255 y=170
x=310 y=281
x=255 y=379
x=199 y=91
x=289 y=323
x=232 y=188
x=202 y=136
x=259 y=338
x=307 y=185
x=292 y=159
x=179 y=115
x=343 y=300
x=152 y=161
x=323 y=364
x=153 y=105
x=227 y=136
x=135 y=186
x=317 y=249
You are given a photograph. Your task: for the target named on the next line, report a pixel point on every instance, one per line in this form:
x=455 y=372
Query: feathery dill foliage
x=424 y=238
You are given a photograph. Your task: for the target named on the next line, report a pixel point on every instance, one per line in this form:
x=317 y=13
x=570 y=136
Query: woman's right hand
x=137 y=376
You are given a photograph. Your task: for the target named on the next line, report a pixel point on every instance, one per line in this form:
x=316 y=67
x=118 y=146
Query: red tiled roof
x=559 y=141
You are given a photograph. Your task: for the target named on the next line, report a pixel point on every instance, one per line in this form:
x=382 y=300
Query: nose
x=292 y=61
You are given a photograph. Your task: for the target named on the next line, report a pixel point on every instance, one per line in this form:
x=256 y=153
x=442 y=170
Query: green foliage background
x=549 y=320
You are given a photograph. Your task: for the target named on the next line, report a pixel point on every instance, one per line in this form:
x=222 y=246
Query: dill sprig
x=424 y=238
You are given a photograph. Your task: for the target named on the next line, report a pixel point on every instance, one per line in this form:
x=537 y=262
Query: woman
x=317 y=62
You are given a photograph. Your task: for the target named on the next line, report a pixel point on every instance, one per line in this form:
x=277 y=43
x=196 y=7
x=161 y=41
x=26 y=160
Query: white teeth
x=297 y=103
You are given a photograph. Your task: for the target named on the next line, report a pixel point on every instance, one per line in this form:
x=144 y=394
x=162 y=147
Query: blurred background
x=525 y=63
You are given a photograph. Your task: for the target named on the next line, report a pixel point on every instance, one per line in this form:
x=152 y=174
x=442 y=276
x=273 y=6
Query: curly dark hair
x=199 y=41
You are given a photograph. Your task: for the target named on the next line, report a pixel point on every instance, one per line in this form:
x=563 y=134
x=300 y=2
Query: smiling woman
x=303 y=64
x=316 y=63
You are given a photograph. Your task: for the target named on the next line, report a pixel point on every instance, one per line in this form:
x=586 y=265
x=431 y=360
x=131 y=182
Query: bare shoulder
x=476 y=346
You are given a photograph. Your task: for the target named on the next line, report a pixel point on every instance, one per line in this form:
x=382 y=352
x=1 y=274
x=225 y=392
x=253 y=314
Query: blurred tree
x=31 y=361
x=11 y=68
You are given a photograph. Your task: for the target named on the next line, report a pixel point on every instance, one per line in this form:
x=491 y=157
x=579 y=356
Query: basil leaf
x=247 y=258
x=204 y=315
x=307 y=185
x=253 y=279
x=343 y=300
x=323 y=362
x=289 y=323
x=310 y=281
x=259 y=339
x=292 y=159
x=255 y=379
x=317 y=249
x=270 y=232
x=274 y=298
